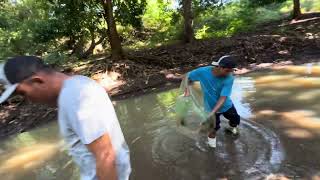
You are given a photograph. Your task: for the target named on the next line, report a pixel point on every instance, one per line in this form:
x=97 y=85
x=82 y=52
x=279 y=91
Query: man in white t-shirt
x=87 y=120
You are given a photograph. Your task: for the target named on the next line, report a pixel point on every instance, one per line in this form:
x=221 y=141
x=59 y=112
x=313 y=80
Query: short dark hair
x=20 y=68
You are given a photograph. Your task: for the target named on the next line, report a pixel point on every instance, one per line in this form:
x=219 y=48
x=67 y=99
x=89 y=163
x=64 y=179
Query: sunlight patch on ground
x=312 y=36
x=108 y=80
x=288 y=81
x=302 y=118
x=310 y=82
x=273 y=79
x=309 y=95
x=275 y=93
x=285 y=84
x=298 y=133
x=267 y=112
x=284 y=52
x=80 y=67
x=276 y=177
x=298 y=123
x=4 y=115
x=303 y=70
x=306 y=6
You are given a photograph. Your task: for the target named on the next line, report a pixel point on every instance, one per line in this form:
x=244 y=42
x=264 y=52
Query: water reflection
x=298 y=133
x=284 y=100
x=288 y=96
x=27 y=158
x=287 y=101
x=308 y=69
x=38 y=154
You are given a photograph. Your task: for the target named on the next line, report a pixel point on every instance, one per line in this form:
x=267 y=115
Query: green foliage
x=129 y=12
x=37 y=27
x=56 y=58
x=56 y=28
x=306 y=6
x=78 y=21
x=234 y=18
x=310 y=6
x=162 y=24
x=18 y=20
x=256 y=3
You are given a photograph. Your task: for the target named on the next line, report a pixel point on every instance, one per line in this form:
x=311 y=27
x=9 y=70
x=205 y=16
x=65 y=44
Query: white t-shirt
x=85 y=114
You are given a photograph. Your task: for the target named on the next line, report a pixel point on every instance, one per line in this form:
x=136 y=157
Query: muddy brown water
x=280 y=135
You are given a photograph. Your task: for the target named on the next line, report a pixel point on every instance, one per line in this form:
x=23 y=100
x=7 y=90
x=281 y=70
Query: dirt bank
x=275 y=44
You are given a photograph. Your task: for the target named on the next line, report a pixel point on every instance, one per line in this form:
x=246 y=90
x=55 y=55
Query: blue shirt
x=213 y=87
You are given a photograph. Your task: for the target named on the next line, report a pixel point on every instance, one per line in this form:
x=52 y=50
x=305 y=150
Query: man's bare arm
x=105 y=158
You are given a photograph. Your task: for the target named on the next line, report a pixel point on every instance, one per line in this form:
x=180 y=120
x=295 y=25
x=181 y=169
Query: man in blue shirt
x=216 y=84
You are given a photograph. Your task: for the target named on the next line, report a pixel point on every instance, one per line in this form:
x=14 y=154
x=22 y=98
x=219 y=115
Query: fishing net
x=190 y=109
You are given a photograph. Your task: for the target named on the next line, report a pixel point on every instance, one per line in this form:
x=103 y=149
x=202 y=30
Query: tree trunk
x=115 y=43
x=188 y=34
x=78 y=48
x=93 y=44
x=296 y=9
x=89 y=51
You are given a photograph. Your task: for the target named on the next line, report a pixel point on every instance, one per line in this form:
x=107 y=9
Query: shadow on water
x=287 y=101
x=280 y=139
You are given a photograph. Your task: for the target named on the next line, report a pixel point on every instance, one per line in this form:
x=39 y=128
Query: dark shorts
x=231 y=114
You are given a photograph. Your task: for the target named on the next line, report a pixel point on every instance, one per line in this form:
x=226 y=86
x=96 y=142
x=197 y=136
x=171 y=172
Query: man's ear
x=37 y=79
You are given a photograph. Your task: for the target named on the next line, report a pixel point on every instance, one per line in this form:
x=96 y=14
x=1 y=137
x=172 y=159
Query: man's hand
x=186 y=92
x=212 y=113
x=105 y=158
x=219 y=104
